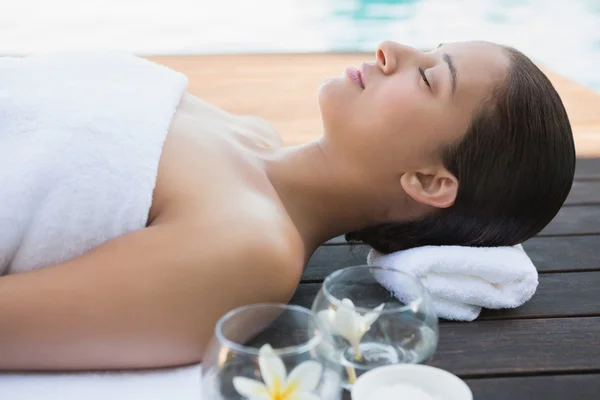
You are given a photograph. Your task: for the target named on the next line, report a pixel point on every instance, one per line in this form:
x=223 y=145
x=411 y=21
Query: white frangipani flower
x=298 y=385
x=348 y=323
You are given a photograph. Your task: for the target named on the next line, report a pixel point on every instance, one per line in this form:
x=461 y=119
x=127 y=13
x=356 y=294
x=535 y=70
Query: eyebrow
x=452 y=68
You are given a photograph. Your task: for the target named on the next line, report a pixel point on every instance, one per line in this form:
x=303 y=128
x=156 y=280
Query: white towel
x=462 y=280
x=81 y=135
x=164 y=384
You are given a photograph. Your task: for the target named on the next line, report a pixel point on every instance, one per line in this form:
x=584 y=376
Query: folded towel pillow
x=462 y=280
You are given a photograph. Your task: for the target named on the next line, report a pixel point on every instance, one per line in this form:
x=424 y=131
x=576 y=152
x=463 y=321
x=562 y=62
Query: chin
x=333 y=101
x=328 y=89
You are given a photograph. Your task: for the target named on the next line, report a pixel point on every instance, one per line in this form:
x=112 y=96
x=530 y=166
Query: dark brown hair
x=515 y=167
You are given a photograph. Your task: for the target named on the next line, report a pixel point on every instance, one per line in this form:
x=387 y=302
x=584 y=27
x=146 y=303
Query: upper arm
x=148 y=298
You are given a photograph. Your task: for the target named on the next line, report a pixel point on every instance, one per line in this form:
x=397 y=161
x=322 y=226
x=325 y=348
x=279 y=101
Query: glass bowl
x=270 y=352
x=378 y=316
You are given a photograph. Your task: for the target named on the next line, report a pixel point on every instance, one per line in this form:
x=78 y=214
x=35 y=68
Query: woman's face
x=393 y=114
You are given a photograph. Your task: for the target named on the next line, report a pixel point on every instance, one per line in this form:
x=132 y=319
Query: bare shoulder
x=261 y=245
x=270 y=245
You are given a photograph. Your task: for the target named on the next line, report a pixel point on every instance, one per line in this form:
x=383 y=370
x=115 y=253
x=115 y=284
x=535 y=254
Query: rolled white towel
x=462 y=280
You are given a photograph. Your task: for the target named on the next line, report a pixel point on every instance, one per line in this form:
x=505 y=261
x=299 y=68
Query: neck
x=322 y=199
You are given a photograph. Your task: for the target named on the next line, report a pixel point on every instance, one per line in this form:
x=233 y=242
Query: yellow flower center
x=279 y=394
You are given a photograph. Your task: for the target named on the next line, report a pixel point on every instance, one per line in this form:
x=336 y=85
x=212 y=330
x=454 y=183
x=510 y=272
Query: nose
x=390 y=55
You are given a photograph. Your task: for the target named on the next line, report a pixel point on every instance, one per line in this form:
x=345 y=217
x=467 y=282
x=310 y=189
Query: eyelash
x=424 y=77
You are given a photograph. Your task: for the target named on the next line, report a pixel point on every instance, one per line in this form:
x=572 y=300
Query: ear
x=436 y=187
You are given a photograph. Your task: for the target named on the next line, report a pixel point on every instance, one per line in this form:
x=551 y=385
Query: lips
x=363 y=73
x=355 y=76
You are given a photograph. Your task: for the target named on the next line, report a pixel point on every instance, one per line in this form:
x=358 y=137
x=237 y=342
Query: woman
x=468 y=144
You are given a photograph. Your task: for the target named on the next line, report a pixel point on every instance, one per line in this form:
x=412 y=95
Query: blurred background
x=562 y=35
x=269 y=57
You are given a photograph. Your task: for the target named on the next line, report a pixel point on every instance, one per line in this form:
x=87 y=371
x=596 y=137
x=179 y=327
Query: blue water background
x=562 y=35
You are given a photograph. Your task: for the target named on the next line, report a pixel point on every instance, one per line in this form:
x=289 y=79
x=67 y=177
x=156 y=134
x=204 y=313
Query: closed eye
x=422 y=71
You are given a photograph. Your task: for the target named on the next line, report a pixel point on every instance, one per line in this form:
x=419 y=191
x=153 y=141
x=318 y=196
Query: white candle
x=400 y=391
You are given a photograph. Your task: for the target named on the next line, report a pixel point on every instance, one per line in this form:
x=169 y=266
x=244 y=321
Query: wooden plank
x=331 y=258
x=549 y=254
x=336 y=241
x=535 y=346
x=560 y=294
x=568 y=253
x=561 y=387
x=587 y=168
x=576 y=220
x=584 y=192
